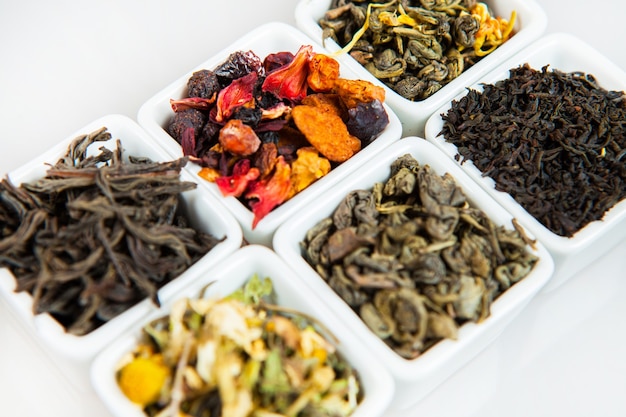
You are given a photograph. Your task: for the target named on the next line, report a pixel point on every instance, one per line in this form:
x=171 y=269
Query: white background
x=65 y=63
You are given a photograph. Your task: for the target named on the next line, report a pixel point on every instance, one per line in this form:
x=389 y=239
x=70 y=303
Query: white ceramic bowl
x=291 y=292
x=566 y=53
x=530 y=23
x=203 y=210
x=155 y=114
x=414 y=378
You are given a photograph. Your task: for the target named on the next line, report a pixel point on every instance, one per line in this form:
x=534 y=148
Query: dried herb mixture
x=97 y=234
x=554 y=140
x=414 y=259
x=238 y=356
x=265 y=129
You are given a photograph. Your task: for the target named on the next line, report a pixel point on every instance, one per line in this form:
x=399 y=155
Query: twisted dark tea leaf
x=555 y=141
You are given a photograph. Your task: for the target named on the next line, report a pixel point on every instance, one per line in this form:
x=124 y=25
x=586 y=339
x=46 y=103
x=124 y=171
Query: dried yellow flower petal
x=308 y=168
x=142 y=379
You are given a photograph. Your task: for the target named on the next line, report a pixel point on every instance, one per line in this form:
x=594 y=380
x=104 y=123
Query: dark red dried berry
x=367 y=120
x=203 y=83
x=237 y=65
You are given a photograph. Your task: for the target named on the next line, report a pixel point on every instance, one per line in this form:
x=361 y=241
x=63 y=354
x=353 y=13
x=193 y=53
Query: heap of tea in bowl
x=98 y=233
x=235 y=356
x=414 y=259
x=416 y=47
x=555 y=141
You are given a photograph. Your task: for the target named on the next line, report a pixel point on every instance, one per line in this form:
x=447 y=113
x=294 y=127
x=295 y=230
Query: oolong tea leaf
x=415 y=47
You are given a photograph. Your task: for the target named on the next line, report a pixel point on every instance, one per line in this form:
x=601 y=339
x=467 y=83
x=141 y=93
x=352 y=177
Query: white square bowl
x=566 y=53
x=201 y=208
x=417 y=377
x=291 y=292
x=530 y=24
x=155 y=114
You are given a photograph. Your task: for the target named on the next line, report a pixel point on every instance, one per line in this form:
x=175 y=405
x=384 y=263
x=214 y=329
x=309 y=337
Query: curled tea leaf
x=414 y=259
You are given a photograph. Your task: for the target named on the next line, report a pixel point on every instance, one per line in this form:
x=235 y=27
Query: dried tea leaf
x=414 y=259
x=415 y=48
x=97 y=234
x=558 y=149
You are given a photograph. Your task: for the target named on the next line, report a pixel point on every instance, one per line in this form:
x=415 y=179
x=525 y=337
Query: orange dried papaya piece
x=326 y=132
x=327 y=102
x=323 y=73
x=353 y=92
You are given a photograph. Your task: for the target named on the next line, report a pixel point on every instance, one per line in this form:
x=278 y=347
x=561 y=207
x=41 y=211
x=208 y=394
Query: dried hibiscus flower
x=239 y=93
x=266 y=194
x=290 y=81
x=197 y=103
x=236 y=184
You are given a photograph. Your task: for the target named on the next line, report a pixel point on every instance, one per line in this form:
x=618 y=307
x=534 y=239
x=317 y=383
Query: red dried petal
x=239 y=93
x=197 y=103
x=236 y=184
x=290 y=81
x=271 y=192
x=239 y=138
x=188 y=142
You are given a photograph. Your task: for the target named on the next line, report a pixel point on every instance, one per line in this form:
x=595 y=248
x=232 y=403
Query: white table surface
x=65 y=63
